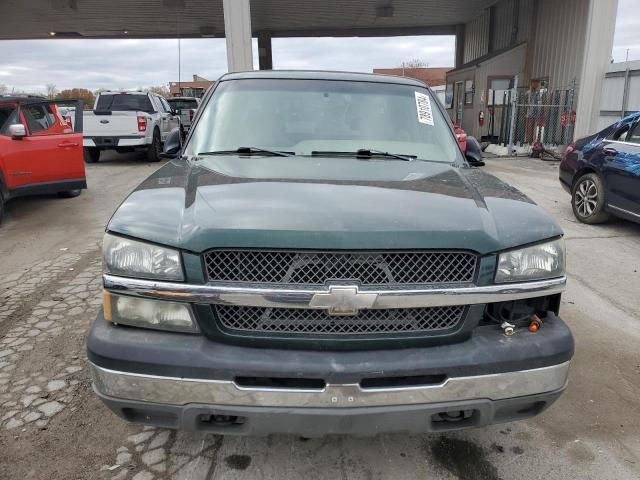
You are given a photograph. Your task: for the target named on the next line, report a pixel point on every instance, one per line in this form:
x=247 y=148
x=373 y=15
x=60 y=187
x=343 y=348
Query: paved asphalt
x=52 y=427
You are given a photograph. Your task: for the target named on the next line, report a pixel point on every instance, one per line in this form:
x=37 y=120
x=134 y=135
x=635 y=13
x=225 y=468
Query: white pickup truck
x=124 y=121
x=186 y=107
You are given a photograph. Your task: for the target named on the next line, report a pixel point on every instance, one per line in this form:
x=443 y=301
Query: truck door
x=172 y=121
x=51 y=152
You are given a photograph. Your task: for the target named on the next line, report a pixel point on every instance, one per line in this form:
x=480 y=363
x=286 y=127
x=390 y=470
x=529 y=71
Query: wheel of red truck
x=91 y=155
x=153 y=153
x=587 y=199
x=69 y=193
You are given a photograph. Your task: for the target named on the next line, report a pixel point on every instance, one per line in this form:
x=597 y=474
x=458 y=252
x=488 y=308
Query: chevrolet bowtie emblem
x=343 y=300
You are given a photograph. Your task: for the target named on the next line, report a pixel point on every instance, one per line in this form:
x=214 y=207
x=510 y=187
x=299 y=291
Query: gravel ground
x=52 y=426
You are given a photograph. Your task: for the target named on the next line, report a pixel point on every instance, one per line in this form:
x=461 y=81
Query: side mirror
x=17 y=131
x=475 y=163
x=474 y=152
x=172 y=145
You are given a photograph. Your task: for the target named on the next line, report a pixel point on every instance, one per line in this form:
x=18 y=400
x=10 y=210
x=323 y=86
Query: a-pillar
x=237 y=31
x=601 y=25
x=264 y=51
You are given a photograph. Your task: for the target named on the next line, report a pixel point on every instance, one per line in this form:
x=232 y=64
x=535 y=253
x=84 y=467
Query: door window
x=468 y=92
x=624 y=134
x=633 y=135
x=165 y=105
x=8 y=116
x=42 y=119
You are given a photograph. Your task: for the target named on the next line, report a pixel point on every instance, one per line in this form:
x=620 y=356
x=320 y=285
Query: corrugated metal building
x=549 y=45
x=620 y=92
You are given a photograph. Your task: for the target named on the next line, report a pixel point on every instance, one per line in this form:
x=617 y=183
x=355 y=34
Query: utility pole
x=514 y=108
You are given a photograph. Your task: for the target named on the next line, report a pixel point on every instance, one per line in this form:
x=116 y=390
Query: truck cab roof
x=321 y=75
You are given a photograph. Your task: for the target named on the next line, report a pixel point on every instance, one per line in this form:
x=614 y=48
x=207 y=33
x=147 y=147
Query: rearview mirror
x=172 y=145
x=17 y=131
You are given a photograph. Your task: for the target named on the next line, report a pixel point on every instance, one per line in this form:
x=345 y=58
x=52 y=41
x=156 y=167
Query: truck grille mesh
x=316 y=268
x=304 y=321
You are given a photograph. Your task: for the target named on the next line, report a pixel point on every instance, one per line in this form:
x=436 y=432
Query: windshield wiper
x=365 y=153
x=249 y=151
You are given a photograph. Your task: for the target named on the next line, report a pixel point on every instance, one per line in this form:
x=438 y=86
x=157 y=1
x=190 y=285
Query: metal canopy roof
x=31 y=19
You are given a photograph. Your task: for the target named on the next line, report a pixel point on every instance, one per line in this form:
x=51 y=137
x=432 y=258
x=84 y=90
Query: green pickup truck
x=318 y=257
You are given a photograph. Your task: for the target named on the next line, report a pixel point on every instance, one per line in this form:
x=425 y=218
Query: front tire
x=91 y=155
x=588 y=199
x=153 y=153
x=69 y=193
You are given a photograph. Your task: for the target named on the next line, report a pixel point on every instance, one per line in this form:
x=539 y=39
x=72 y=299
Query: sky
x=129 y=64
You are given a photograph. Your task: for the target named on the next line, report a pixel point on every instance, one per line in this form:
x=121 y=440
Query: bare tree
x=415 y=63
x=52 y=91
x=159 y=90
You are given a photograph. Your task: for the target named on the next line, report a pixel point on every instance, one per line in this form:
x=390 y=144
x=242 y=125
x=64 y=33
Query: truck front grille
x=317 y=268
x=319 y=322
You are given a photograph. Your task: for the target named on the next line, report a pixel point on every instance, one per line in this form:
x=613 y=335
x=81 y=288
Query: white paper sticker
x=423 y=105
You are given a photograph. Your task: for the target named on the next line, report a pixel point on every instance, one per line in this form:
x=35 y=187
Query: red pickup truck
x=40 y=149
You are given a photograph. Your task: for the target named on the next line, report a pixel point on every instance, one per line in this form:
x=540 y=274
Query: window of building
x=498 y=93
x=448 y=96
x=469 y=89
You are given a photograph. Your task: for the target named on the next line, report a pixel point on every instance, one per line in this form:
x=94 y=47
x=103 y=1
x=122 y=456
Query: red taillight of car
x=570 y=148
x=142 y=123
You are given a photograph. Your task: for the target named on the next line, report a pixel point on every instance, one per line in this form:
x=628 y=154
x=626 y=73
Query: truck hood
x=329 y=203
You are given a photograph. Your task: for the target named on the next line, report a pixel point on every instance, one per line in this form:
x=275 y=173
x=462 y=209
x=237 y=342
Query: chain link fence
x=545 y=117
x=538 y=117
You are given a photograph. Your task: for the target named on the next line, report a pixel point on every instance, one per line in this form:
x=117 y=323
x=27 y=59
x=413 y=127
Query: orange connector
x=535 y=324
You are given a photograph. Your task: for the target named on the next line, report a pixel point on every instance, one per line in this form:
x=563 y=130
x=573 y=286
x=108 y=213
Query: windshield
x=182 y=104
x=306 y=117
x=124 y=102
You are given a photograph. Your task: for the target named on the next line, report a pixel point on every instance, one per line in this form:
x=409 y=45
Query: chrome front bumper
x=281 y=297
x=184 y=391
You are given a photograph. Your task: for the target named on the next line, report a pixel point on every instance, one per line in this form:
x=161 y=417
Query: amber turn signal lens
x=106 y=300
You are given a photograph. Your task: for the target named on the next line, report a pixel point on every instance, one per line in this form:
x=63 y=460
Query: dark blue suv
x=602 y=173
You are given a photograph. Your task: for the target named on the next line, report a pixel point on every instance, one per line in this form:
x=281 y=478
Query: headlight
x=537 y=262
x=146 y=313
x=130 y=258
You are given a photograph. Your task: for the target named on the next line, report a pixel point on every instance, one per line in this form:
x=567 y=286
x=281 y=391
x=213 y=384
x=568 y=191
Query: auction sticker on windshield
x=423 y=105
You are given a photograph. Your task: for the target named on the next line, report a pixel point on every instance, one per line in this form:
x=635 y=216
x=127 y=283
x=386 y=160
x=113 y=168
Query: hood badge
x=343 y=300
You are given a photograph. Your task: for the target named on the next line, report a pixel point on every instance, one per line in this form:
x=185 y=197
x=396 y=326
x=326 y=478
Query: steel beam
x=237 y=28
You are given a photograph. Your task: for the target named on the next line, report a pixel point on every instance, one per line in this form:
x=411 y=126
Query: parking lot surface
x=53 y=427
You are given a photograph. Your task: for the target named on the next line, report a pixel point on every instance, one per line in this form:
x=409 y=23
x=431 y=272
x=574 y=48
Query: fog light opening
x=518 y=312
